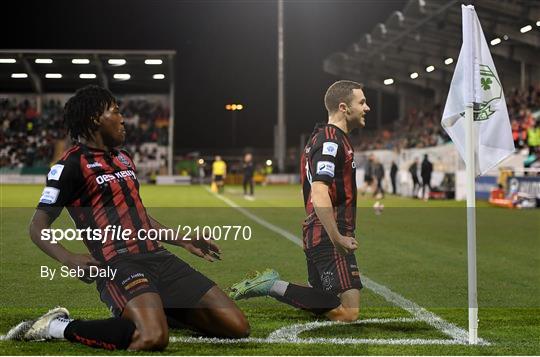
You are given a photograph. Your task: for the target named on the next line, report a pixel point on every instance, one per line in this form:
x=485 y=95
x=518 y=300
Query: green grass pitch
x=416 y=249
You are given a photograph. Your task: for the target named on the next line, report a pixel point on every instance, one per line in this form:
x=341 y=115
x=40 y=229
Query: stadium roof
x=428 y=33
x=63 y=71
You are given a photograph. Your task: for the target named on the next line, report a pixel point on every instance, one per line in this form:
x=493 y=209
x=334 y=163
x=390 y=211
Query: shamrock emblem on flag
x=485 y=83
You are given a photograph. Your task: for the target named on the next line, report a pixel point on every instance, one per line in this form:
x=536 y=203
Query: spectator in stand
x=519 y=134
x=533 y=137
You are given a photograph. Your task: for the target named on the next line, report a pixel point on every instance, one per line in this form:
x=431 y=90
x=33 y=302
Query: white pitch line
x=291 y=332
x=455 y=332
x=420 y=313
x=323 y=341
x=283 y=335
x=259 y=220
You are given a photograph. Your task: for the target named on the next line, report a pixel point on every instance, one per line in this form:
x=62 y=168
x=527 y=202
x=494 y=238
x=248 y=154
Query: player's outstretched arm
x=324 y=210
x=206 y=249
x=41 y=221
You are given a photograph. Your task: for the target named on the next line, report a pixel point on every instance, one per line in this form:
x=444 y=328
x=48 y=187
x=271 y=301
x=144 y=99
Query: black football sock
x=110 y=334
x=310 y=299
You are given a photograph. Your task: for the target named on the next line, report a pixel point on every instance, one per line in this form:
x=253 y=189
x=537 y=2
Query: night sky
x=226 y=52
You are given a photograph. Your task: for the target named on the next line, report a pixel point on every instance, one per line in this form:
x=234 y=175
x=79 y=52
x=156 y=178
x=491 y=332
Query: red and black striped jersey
x=99 y=189
x=329 y=157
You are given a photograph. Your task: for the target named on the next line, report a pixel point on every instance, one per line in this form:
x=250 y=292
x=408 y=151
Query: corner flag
x=476 y=118
x=476 y=82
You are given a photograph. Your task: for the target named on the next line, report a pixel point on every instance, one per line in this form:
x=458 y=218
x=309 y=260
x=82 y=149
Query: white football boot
x=38 y=329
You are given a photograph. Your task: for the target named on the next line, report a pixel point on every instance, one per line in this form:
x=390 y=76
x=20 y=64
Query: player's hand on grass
x=206 y=249
x=345 y=245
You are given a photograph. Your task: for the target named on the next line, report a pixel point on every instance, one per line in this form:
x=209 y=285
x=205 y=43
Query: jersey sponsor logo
x=93 y=165
x=101 y=179
x=123 y=160
x=49 y=195
x=136 y=282
x=55 y=172
x=330 y=148
x=325 y=168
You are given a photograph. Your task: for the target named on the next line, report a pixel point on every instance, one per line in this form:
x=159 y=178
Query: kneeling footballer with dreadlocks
x=152 y=289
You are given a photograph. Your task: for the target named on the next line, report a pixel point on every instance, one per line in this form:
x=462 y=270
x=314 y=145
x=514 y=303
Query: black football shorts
x=330 y=271
x=161 y=272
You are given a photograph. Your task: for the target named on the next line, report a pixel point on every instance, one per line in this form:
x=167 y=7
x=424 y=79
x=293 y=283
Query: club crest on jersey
x=123 y=160
x=325 y=168
x=330 y=148
x=326 y=280
x=55 y=172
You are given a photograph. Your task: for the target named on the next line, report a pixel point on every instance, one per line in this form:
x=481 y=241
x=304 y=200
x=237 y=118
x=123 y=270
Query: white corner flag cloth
x=476 y=81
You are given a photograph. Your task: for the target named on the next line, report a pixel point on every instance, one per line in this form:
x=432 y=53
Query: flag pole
x=471 y=224
x=470 y=53
x=476 y=88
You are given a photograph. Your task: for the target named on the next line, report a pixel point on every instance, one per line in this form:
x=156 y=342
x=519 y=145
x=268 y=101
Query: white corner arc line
x=291 y=332
x=456 y=333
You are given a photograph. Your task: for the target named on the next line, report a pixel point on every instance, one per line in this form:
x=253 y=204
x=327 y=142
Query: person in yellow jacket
x=219 y=173
x=533 y=137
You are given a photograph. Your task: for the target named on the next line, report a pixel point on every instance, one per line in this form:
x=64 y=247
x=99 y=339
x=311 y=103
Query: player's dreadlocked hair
x=87 y=104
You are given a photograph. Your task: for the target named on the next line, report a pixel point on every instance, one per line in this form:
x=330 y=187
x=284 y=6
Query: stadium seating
x=30 y=140
x=27 y=138
x=421 y=127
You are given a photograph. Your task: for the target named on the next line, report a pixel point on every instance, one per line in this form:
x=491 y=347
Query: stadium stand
x=421 y=128
x=30 y=140
x=413 y=54
x=147 y=126
x=28 y=137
